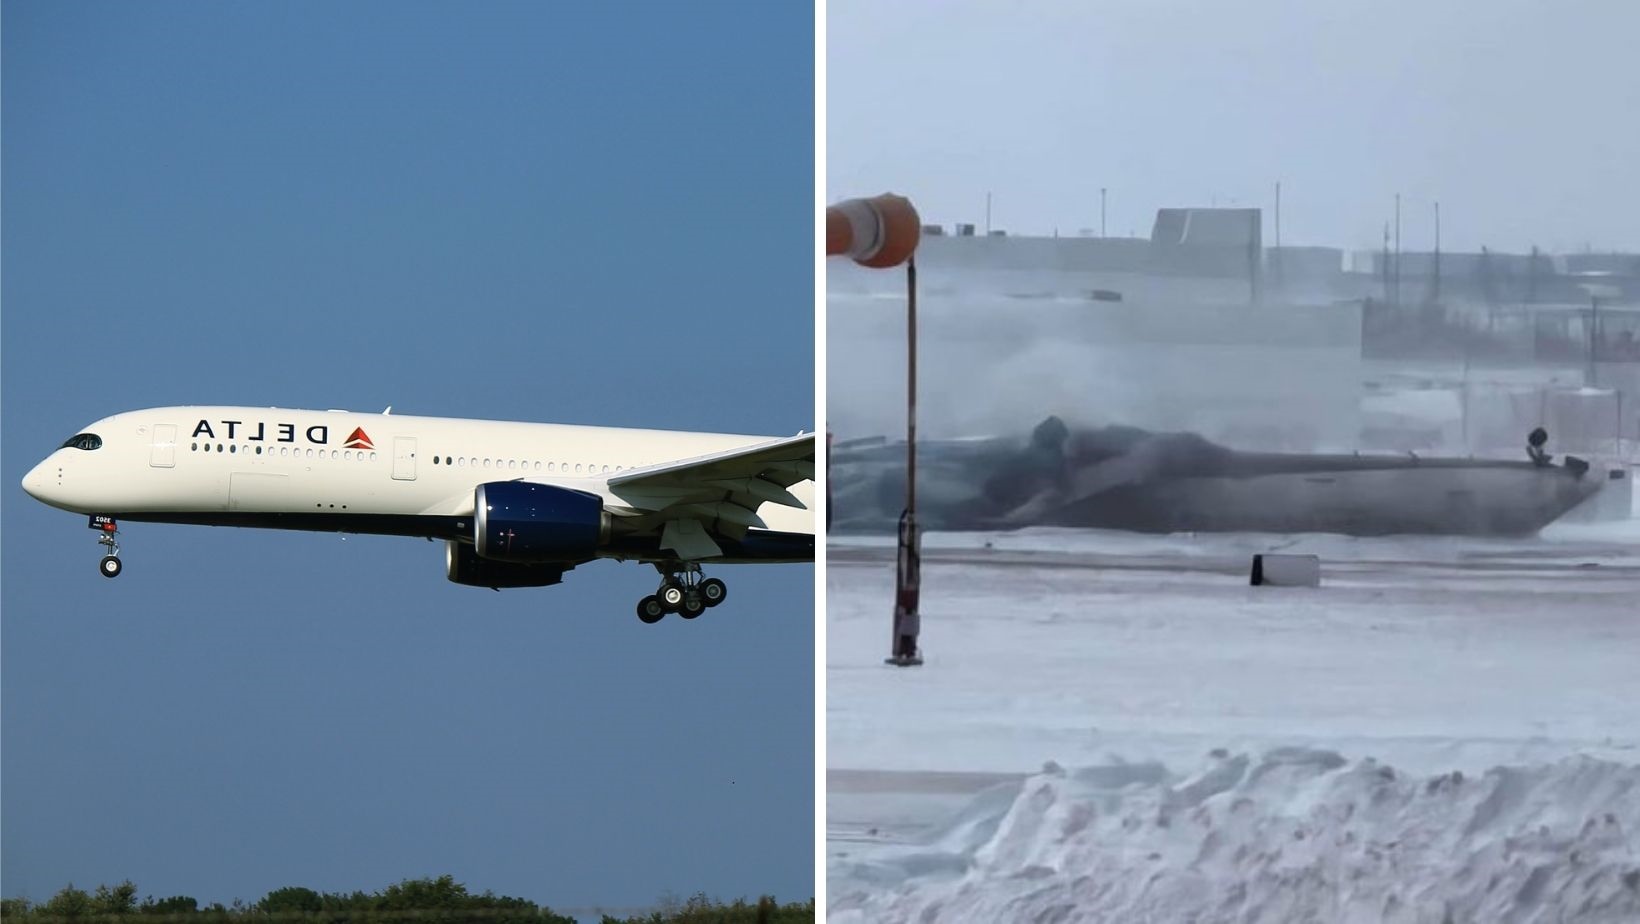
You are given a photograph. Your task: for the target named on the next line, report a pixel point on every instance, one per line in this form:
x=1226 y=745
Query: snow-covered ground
x=1445 y=729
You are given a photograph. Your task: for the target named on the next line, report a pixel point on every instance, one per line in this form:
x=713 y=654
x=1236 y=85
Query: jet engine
x=526 y=523
x=463 y=566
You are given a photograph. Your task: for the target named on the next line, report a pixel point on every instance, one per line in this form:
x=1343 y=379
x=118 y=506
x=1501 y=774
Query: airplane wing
x=718 y=494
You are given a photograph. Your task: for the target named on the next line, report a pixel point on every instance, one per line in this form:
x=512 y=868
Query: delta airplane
x=517 y=504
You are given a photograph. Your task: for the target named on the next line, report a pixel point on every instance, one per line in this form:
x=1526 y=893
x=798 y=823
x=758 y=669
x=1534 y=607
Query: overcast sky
x=1522 y=117
x=477 y=211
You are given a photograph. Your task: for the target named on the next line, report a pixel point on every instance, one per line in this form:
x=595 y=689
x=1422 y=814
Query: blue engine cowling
x=517 y=521
x=463 y=566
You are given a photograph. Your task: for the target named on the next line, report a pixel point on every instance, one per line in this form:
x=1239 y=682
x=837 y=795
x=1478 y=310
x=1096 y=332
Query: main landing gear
x=683 y=591
x=110 y=565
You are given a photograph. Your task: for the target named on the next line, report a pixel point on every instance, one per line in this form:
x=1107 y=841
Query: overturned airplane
x=1132 y=479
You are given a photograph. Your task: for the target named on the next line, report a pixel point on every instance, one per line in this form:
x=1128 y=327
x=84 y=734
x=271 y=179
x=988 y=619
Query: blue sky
x=510 y=210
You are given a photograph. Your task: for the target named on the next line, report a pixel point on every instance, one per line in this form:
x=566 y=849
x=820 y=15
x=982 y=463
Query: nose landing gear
x=110 y=565
x=684 y=591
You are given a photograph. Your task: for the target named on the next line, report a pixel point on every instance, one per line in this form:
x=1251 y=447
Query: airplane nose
x=41 y=482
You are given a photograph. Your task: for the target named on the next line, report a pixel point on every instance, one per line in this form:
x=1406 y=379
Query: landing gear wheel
x=713 y=591
x=685 y=590
x=650 y=609
x=672 y=596
x=109 y=539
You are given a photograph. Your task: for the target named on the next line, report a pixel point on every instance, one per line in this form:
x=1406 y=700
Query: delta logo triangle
x=358 y=439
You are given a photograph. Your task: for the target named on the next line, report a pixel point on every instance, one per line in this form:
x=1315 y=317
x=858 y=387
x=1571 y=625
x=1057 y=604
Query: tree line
x=413 y=901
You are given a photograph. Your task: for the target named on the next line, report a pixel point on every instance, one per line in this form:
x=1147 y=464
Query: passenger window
x=193 y=447
x=538 y=466
x=512 y=463
x=259 y=450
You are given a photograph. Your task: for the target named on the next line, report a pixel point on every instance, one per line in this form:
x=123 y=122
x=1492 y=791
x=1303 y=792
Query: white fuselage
x=183 y=462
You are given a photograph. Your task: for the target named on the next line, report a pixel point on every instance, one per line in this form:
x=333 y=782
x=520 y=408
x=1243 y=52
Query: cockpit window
x=86 y=441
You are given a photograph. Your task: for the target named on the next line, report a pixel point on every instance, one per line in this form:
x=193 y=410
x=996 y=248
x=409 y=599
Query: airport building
x=1201 y=326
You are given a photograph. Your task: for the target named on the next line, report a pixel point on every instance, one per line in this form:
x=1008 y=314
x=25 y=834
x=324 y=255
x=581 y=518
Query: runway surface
x=1149 y=661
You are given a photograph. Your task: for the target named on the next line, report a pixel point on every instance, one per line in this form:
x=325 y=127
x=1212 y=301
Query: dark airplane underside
x=1131 y=479
x=757 y=546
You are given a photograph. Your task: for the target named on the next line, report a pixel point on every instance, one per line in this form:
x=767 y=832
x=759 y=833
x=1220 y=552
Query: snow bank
x=1297 y=835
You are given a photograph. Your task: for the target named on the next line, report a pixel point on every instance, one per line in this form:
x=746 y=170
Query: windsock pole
x=908 y=568
x=881 y=232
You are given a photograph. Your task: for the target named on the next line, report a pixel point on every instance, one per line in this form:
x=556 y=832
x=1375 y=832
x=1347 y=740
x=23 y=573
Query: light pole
x=1397 y=296
x=1594 y=328
x=1596 y=292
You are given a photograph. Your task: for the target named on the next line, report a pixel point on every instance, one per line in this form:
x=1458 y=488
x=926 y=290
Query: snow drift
x=1295 y=835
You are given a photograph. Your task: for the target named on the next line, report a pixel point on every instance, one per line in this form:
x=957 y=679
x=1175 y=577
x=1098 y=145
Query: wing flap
x=747 y=476
x=761 y=490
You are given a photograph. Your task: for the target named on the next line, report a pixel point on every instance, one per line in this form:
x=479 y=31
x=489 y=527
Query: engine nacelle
x=463 y=566
x=517 y=521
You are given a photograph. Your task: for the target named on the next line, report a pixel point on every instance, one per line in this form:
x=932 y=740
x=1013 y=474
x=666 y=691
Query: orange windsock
x=877 y=232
